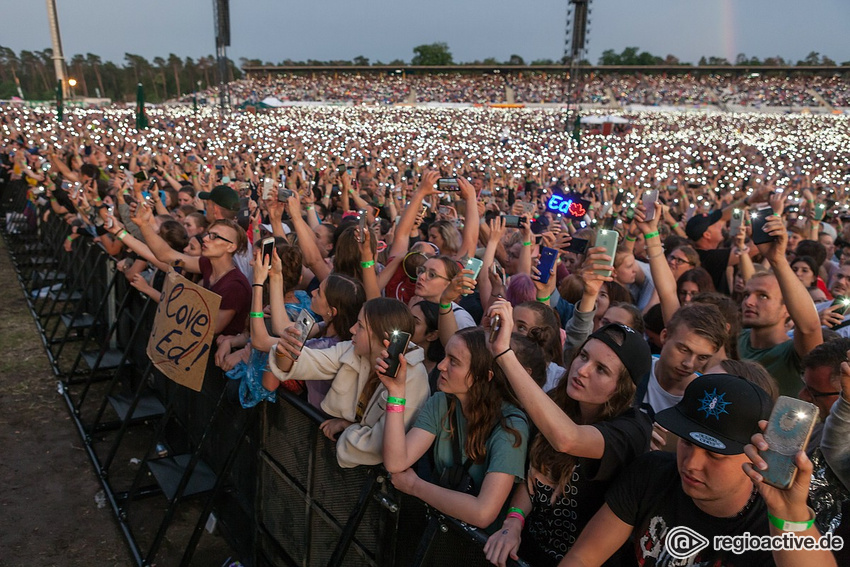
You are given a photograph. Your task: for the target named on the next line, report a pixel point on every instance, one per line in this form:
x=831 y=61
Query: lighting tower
x=575 y=46
x=58 y=58
x=221 y=11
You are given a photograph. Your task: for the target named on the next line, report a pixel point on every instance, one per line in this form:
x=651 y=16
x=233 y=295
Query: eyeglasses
x=817 y=394
x=429 y=274
x=677 y=260
x=217 y=236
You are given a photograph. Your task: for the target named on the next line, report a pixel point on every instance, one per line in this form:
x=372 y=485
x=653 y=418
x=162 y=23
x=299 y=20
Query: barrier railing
x=268 y=474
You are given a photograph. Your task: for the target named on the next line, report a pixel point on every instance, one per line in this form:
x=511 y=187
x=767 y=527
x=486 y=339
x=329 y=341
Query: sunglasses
x=217 y=236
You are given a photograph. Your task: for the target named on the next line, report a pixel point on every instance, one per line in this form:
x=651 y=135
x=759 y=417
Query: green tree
x=432 y=54
x=516 y=60
x=362 y=61
x=542 y=62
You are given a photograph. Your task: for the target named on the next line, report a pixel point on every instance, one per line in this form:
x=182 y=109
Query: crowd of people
x=536 y=87
x=579 y=380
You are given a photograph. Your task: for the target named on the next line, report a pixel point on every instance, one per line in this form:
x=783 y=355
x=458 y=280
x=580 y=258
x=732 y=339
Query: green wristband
x=398 y=401
x=788 y=526
x=544 y=299
x=526 y=243
x=649 y=235
x=518 y=511
x=255 y=315
x=368 y=264
x=446 y=306
x=630 y=238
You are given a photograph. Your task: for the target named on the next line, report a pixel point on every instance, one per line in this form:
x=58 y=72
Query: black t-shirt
x=553 y=527
x=715 y=263
x=649 y=497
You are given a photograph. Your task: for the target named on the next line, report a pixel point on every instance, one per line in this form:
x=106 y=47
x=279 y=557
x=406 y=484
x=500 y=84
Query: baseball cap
x=223 y=196
x=719 y=412
x=698 y=224
x=629 y=346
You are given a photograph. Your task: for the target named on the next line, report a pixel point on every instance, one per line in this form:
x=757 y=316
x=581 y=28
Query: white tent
x=273 y=102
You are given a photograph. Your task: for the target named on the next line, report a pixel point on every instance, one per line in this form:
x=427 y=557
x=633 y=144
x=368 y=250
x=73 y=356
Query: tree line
x=30 y=73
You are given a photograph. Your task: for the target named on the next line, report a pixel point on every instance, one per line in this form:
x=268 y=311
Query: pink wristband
x=516 y=515
x=395 y=408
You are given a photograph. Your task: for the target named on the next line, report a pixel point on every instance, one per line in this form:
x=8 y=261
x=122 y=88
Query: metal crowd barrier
x=268 y=474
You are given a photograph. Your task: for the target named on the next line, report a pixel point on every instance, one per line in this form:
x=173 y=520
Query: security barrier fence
x=267 y=475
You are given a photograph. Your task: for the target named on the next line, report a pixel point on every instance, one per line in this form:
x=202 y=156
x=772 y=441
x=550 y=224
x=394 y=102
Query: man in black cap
x=706 y=231
x=222 y=203
x=672 y=506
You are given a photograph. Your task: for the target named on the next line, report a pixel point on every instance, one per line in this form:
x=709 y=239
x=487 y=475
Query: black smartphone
x=577 y=246
x=361 y=222
x=546 y=262
x=283 y=194
x=759 y=218
x=340 y=169
x=141 y=176
x=447 y=184
x=513 y=221
x=398 y=344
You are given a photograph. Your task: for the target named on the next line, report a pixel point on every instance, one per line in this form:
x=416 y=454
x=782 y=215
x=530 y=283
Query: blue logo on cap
x=713 y=404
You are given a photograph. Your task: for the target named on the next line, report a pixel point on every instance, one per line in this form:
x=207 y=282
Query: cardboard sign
x=570 y=205
x=183 y=331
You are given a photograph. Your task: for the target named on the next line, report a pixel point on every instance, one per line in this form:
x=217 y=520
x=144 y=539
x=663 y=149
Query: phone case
x=759 y=219
x=650 y=200
x=398 y=344
x=577 y=245
x=547 y=259
x=474 y=264
x=788 y=431
x=495 y=326
x=268 y=185
x=820 y=209
x=608 y=239
x=304 y=323
x=735 y=223
x=267 y=247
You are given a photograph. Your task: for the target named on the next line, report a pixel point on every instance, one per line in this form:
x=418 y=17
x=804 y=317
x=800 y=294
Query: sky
x=384 y=30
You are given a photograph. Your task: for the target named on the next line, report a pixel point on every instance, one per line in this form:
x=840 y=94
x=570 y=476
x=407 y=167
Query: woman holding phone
x=357 y=400
x=589 y=430
x=475 y=410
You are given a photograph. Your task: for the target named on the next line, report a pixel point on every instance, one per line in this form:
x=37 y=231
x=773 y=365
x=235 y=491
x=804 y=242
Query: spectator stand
x=267 y=474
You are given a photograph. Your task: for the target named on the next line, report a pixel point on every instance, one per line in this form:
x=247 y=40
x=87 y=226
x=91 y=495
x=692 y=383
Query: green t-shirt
x=501 y=455
x=781 y=361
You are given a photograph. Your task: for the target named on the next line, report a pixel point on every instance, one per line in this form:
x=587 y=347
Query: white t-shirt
x=462 y=317
x=657 y=397
x=553 y=376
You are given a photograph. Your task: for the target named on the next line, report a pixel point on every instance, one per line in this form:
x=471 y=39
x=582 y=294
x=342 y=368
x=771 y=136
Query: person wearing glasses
x=224 y=240
x=442 y=281
x=682 y=259
x=822 y=379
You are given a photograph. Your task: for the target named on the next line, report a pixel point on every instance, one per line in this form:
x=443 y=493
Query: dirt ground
x=49 y=492
x=48 y=513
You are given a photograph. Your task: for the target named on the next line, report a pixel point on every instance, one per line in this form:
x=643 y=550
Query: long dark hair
x=485 y=397
x=347 y=296
x=559 y=466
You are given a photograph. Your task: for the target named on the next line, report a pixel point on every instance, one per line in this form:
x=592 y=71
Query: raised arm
x=801 y=308
x=471 y=222
x=662 y=275
x=160 y=248
x=307 y=240
x=563 y=433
